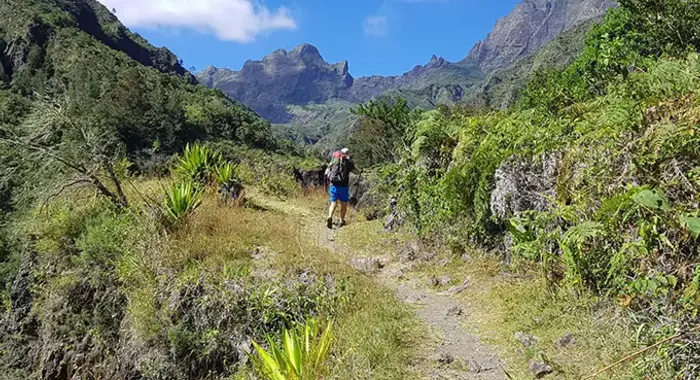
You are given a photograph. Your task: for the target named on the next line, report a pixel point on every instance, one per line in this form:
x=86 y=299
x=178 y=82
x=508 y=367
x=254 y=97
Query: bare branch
x=60 y=191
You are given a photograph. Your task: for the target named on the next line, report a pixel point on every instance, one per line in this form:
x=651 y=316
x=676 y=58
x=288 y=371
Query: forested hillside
x=72 y=66
x=592 y=176
x=87 y=110
x=77 y=54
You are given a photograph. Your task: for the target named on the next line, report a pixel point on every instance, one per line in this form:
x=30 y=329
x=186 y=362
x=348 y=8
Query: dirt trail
x=458 y=353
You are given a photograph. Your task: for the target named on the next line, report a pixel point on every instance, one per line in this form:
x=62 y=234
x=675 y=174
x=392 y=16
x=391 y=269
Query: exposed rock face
x=302 y=76
x=540 y=368
x=530 y=26
x=522 y=185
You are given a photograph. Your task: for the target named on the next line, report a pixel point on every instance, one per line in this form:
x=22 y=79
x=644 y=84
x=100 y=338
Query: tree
x=62 y=146
x=386 y=130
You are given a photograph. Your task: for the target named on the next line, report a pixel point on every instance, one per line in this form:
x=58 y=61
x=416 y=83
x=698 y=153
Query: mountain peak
x=530 y=25
x=306 y=50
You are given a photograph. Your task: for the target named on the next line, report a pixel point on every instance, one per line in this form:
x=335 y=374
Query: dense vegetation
x=95 y=278
x=594 y=175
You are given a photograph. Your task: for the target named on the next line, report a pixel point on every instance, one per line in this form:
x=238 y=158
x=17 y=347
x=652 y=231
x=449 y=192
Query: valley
x=299 y=91
x=529 y=212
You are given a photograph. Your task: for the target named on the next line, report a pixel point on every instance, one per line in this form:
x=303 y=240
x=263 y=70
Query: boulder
x=526 y=340
x=565 y=341
x=540 y=368
x=395 y=218
x=523 y=185
x=310 y=178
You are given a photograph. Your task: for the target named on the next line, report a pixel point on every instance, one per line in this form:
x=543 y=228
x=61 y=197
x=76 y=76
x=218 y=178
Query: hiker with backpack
x=338 y=174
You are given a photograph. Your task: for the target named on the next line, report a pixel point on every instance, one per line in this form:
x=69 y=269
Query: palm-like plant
x=302 y=355
x=181 y=200
x=196 y=163
x=223 y=174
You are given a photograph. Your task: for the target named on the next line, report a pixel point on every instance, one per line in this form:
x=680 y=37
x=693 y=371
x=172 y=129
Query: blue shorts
x=339 y=193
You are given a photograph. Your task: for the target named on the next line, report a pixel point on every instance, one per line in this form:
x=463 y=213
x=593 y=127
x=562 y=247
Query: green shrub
x=198 y=164
x=302 y=354
x=223 y=173
x=180 y=201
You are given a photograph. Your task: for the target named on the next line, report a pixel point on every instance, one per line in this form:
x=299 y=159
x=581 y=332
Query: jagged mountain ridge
x=301 y=76
x=286 y=88
x=530 y=25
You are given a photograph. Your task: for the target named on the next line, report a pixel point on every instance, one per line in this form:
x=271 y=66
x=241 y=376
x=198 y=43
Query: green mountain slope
x=502 y=88
x=59 y=50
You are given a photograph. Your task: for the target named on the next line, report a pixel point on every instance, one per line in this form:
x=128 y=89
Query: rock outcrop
x=302 y=76
x=522 y=185
x=530 y=25
x=299 y=76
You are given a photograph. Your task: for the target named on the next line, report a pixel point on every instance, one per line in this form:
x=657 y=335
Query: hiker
x=338 y=174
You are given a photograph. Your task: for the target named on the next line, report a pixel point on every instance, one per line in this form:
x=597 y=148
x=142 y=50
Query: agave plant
x=196 y=163
x=229 y=187
x=223 y=174
x=302 y=354
x=181 y=200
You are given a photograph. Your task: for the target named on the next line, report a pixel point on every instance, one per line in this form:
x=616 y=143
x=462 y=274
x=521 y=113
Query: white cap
x=345 y=150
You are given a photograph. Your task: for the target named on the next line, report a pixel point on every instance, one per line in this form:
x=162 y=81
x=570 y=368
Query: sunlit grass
x=377 y=337
x=501 y=303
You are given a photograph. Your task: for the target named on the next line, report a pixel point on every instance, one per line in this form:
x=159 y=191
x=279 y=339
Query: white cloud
x=377 y=26
x=232 y=20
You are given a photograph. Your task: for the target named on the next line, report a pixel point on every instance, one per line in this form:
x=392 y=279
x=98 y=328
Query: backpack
x=338 y=174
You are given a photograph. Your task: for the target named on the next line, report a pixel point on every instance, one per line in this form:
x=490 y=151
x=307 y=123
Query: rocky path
x=457 y=354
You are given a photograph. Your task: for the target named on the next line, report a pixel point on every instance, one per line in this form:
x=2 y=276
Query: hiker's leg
x=331 y=209
x=343 y=211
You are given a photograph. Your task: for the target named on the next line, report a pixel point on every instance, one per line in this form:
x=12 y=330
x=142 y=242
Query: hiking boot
x=329 y=223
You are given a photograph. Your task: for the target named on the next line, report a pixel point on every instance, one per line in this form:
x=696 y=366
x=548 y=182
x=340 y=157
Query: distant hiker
x=338 y=174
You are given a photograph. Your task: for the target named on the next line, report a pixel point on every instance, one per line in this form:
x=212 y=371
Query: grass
x=282 y=230
x=380 y=339
x=501 y=301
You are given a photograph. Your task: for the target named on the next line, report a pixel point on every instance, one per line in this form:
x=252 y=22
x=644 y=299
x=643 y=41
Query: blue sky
x=386 y=37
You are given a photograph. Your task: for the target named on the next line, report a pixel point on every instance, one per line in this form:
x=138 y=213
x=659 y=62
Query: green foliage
x=116 y=81
x=385 y=132
x=594 y=177
x=223 y=173
x=631 y=38
x=198 y=164
x=273 y=173
x=180 y=201
x=302 y=354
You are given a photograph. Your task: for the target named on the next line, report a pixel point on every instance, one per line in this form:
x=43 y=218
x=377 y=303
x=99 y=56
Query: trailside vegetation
x=594 y=175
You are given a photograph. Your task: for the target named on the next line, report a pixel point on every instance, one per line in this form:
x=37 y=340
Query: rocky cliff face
x=530 y=26
x=302 y=76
